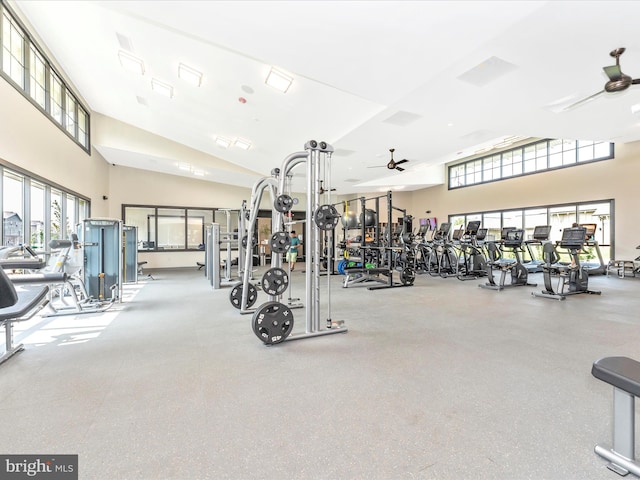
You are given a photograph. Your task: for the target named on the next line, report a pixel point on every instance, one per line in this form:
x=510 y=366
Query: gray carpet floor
x=442 y=380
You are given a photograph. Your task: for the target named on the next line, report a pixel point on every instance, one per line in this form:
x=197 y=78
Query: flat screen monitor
x=514 y=237
x=472 y=228
x=573 y=237
x=457 y=234
x=542 y=232
x=482 y=233
x=503 y=232
x=444 y=229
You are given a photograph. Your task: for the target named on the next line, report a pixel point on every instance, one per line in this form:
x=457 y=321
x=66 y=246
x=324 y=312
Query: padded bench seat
x=624 y=375
x=370 y=271
x=621 y=372
x=16 y=305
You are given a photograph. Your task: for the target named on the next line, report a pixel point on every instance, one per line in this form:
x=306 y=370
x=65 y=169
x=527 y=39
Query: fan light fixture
x=130 y=62
x=189 y=75
x=161 y=88
x=278 y=80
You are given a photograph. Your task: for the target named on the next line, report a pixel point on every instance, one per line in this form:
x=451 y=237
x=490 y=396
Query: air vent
x=402 y=119
x=343 y=152
x=486 y=72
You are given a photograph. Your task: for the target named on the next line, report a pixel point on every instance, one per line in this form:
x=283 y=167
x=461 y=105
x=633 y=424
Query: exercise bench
x=624 y=374
x=17 y=306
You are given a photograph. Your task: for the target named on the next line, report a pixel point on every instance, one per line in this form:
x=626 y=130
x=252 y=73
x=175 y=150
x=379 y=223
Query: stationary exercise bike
x=572 y=278
x=512 y=242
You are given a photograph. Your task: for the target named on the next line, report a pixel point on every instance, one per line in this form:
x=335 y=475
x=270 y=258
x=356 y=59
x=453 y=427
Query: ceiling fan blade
x=404 y=160
x=584 y=100
x=613 y=72
x=635 y=81
x=400 y=169
x=378 y=166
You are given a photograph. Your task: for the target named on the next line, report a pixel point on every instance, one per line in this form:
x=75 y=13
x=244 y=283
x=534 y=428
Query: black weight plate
x=407 y=276
x=280 y=242
x=235 y=296
x=283 y=203
x=272 y=322
x=275 y=281
x=326 y=217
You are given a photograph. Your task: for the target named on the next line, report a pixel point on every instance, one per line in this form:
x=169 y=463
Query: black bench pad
x=621 y=372
x=370 y=271
x=28 y=299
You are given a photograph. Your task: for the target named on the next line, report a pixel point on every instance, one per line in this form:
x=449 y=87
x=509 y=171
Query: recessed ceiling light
x=131 y=63
x=243 y=144
x=199 y=173
x=450 y=124
x=278 y=80
x=189 y=75
x=161 y=88
x=223 y=142
x=184 y=166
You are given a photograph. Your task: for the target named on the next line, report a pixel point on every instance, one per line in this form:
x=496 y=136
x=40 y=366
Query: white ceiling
x=368 y=76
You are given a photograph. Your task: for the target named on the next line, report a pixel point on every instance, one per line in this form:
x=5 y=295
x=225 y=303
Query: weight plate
x=235 y=296
x=407 y=276
x=280 y=242
x=326 y=217
x=272 y=322
x=283 y=203
x=275 y=281
x=245 y=241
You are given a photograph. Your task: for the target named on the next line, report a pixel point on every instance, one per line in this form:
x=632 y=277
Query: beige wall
x=31 y=141
x=610 y=179
x=142 y=187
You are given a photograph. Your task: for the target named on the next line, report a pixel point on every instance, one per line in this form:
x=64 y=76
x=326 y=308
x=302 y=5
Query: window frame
x=523 y=155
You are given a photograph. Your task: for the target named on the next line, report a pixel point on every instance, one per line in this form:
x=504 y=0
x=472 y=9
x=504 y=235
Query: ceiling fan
x=393 y=165
x=618 y=81
x=323 y=190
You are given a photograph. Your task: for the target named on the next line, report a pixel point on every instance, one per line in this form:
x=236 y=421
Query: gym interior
x=470 y=317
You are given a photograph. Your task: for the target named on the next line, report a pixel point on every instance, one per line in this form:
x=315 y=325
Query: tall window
x=56 y=226
x=13 y=213
x=56 y=98
x=71 y=219
x=599 y=215
x=534 y=157
x=38 y=78
x=37 y=227
x=33 y=75
x=13 y=63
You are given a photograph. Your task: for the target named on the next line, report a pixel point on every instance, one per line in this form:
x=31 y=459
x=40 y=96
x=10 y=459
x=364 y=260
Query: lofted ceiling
x=437 y=81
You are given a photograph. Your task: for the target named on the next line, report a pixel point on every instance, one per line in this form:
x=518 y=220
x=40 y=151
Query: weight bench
x=16 y=306
x=624 y=374
x=141 y=270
